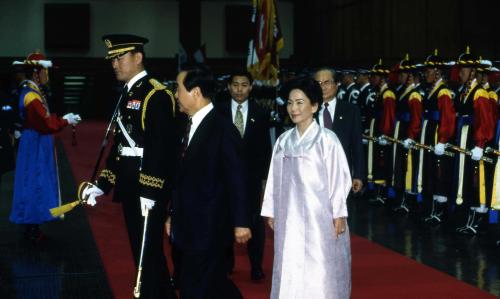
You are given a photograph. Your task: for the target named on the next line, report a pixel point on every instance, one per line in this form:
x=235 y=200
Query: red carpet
x=377 y=272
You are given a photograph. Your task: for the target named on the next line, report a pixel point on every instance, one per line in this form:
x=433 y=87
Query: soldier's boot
x=470 y=218
x=478 y=224
x=437 y=213
x=402 y=206
x=440 y=211
x=432 y=216
x=378 y=198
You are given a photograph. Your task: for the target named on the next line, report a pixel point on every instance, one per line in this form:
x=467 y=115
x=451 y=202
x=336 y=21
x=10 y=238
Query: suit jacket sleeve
x=358 y=161
x=159 y=153
x=234 y=175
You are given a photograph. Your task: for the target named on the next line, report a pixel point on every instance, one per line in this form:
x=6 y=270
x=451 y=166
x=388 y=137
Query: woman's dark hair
x=308 y=86
x=199 y=75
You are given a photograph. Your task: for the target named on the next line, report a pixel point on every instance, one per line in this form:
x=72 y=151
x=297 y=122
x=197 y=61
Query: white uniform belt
x=127 y=151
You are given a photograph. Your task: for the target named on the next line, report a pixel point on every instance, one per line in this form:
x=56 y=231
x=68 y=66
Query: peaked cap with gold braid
x=119 y=44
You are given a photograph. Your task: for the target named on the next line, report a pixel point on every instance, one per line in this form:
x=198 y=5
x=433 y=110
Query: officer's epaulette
x=415 y=95
x=445 y=92
x=156 y=84
x=388 y=94
x=481 y=93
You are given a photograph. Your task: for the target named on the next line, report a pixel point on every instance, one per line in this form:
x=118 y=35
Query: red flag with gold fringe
x=263 y=58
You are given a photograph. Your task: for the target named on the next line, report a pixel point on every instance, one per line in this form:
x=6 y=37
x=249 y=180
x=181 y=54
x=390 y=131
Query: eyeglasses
x=326 y=83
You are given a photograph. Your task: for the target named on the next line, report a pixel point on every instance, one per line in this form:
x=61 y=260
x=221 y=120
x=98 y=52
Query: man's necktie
x=238 y=121
x=327 y=118
x=185 y=139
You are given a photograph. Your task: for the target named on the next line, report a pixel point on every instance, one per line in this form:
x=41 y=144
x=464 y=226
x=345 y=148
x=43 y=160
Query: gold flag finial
x=467 y=51
x=436 y=52
x=407 y=57
x=380 y=61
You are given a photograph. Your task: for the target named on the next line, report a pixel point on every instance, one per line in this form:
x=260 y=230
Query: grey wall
x=22 y=26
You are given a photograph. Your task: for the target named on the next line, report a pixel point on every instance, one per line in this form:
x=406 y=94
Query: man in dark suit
x=209 y=202
x=342 y=118
x=253 y=124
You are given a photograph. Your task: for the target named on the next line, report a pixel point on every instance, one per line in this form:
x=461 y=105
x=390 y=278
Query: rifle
x=467 y=152
x=392 y=140
x=430 y=148
x=492 y=151
x=369 y=138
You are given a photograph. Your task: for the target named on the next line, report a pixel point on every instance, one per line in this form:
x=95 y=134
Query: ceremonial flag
x=263 y=59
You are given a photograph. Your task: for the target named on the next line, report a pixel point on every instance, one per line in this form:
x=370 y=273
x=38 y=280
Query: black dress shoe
x=257 y=274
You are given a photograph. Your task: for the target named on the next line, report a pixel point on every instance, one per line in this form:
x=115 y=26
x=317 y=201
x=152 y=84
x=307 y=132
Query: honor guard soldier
x=141 y=162
x=349 y=82
x=438 y=128
x=381 y=123
x=36 y=180
x=483 y=72
x=366 y=100
x=475 y=128
x=409 y=111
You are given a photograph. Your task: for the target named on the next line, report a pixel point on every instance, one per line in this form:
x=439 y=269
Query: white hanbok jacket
x=307 y=187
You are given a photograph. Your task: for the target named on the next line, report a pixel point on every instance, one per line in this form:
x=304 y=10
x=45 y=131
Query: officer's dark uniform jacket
x=147 y=113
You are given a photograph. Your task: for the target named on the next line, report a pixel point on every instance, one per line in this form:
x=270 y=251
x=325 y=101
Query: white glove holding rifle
x=439 y=149
x=477 y=153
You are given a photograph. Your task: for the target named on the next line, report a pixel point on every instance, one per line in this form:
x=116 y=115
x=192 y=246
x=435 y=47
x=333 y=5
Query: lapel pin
x=252 y=120
x=340 y=117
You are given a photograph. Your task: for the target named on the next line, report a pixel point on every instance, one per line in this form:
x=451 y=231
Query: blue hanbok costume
x=35 y=183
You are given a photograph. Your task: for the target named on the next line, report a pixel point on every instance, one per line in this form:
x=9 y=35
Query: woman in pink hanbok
x=305 y=202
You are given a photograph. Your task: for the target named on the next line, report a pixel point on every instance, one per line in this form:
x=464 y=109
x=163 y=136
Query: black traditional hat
x=119 y=44
x=380 y=69
x=435 y=61
x=467 y=59
x=484 y=65
x=363 y=72
x=406 y=65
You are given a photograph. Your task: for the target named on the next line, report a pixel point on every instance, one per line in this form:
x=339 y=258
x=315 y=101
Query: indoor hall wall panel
x=158 y=20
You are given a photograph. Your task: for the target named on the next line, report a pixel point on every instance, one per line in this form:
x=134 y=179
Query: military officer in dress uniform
x=141 y=162
x=475 y=129
x=438 y=128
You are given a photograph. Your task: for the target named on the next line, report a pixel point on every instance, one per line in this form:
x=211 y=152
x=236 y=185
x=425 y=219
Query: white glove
x=91 y=192
x=408 y=142
x=365 y=141
x=382 y=141
x=17 y=134
x=73 y=119
x=477 y=153
x=146 y=204
x=439 y=149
